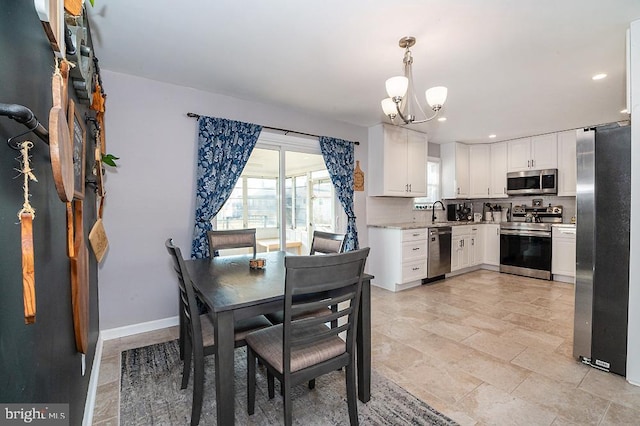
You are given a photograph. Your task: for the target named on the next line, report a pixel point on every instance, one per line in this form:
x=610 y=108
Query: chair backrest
x=230 y=239
x=188 y=306
x=314 y=282
x=327 y=242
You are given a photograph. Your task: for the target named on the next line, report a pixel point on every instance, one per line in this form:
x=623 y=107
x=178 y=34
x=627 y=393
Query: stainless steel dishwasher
x=439 y=259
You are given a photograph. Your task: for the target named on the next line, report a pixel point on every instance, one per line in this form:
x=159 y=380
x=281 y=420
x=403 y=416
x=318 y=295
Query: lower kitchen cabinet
x=398 y=257
x=563 y=253
x=476 y=249
x=460 y=247
x=491 y=244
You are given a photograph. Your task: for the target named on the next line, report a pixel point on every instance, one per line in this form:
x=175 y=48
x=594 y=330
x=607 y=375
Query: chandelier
x=402 y=99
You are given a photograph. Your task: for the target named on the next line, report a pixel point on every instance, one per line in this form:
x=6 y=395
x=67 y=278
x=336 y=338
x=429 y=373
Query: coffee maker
x=460 y=212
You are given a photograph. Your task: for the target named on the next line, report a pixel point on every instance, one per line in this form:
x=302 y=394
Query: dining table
x=232 y=291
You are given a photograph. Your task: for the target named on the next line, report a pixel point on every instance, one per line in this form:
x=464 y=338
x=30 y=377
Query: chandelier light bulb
x=436 y=96
x=389 y=107
x=397 y=86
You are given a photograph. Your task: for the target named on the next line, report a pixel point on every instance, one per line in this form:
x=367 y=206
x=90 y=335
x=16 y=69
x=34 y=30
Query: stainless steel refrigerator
x=602 y=246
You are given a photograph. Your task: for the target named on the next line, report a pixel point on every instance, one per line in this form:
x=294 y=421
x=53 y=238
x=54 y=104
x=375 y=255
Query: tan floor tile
x=448 y=382
x=553 y=366
x=620 y=415
x=565 y=400
x=394 y=355
x=449 y=328
x=612 y=387
x=494 y=371
x=441 y=348
x=491 y=406
x=533 y=338
x=527 y=309
x=109 y=370
x=488 y=323
x=493 y=345
x=107 y=402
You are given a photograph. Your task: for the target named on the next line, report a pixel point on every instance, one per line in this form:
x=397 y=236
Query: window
x=252 y=204
x=433 y=185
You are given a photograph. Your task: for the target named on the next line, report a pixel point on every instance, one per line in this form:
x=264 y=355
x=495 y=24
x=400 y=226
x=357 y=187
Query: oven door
x=526 y=253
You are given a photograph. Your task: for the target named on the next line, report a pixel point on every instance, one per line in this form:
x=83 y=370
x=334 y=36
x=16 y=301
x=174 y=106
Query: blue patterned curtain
x=338 y=157
x=224 y=146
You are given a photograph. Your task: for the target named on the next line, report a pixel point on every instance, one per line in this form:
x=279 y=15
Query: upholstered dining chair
x=327 y=242
x=198 y=332
x=230 y=239
x=299 y=350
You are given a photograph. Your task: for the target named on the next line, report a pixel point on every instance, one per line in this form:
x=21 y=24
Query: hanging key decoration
x=26 y=216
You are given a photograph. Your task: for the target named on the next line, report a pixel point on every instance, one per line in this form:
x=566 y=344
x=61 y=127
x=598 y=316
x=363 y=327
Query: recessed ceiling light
x=492 y=136
x=599 y=76
x=624 y=111
x=442 y=119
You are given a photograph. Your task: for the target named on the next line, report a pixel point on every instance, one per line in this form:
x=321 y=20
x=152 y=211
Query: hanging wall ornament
x=26 y=216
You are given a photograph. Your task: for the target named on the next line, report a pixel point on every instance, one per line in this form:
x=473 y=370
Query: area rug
x=150 y=395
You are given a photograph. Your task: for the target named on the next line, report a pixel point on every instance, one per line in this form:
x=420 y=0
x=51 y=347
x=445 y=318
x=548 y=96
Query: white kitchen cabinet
x=398 y=258
x=460 y=247
x=534 y=153
x=567 y=163
x=397 y=162
x=454 y=163
x=498 y=182
x=563 y=252
x=476 y=245
x=480 y=171
x=491 y=244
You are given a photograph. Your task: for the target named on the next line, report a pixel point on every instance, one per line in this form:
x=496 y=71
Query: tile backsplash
x=381 y=210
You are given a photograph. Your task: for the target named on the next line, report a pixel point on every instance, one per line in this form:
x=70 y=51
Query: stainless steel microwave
x=532 y=182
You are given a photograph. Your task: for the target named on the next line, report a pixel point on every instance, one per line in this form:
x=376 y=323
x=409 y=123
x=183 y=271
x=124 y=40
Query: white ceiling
x=513 y=67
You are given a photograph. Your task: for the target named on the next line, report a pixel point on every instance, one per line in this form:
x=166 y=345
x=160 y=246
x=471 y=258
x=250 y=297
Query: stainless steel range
x=525 y=243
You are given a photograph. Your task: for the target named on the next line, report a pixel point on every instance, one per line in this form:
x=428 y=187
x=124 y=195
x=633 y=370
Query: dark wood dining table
x=231 y=290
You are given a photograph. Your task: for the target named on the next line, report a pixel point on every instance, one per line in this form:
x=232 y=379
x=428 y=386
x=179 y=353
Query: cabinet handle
x=458 y=190
x=504 y=189
x=533 y=163
x=415 y=268
x=416 y=248
x=409 y=187
x=415 y=235
x=473 y=241
x=528 y=163
x=488 y=191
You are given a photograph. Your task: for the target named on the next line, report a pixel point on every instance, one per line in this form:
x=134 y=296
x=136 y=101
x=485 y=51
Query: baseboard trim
x=143 y=327
x=90 y=401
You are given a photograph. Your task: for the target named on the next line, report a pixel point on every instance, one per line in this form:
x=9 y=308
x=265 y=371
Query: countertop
x=421 y=225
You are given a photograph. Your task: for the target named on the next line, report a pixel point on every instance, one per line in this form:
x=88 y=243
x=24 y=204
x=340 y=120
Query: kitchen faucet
x=433 y=210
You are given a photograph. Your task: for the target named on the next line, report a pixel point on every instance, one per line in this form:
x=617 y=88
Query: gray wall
x=150 y=196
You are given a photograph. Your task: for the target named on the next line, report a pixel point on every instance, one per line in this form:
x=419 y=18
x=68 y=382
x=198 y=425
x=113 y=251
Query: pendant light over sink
x=402 y=96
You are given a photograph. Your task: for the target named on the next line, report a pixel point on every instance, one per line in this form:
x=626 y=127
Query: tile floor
x=483 y=348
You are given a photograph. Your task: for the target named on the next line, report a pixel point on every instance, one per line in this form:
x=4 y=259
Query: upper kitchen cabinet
x=454 y=159
x=534 y=153
x=499 y=170
x=479 y=171
x=567 y=163
x=398 y=162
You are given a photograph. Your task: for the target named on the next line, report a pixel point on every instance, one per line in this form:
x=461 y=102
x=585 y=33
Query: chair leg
x=351 y=394
x=186 y=363
x=288 y=418
x=251 y=381
x=198 y=387
x=270 y=384
x=312 y=384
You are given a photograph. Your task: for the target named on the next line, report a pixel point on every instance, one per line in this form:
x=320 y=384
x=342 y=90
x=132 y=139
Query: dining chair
x=199 y=333
x=324 y=243
x=299 y=350
x=230 y=239
x=327 y=242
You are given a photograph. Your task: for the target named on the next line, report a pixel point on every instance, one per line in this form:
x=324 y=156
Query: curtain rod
x=194 y=115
